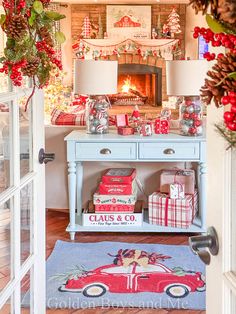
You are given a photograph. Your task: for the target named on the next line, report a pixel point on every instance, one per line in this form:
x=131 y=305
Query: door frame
x=35 y=263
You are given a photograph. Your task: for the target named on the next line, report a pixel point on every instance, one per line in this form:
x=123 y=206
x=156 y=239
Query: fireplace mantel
x=104 y=47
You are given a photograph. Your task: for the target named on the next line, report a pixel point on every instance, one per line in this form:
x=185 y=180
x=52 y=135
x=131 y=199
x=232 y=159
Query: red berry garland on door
x=30 y=41
x=220 y=84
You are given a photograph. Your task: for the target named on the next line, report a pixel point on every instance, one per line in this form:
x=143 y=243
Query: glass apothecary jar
x=190 y=116
x=97 y=116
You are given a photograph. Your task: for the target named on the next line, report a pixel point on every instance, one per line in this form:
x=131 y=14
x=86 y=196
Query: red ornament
x=192 y=130
x=194 y=116
x=186 y=115
x=197 y=123
x=229 y=116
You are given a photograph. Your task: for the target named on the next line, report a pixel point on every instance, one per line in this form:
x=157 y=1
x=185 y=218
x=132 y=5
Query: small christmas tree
x=86 y=28
x=173 y=23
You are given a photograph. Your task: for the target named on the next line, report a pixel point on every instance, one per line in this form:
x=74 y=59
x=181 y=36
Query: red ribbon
x=166 y=211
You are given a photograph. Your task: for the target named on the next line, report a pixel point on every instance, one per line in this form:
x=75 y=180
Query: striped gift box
x=177 y=213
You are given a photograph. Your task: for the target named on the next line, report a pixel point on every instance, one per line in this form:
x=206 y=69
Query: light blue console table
x=113 y=147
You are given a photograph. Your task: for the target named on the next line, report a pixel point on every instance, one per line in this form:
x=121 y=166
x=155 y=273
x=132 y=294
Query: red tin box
x=125 y=130
x=116 y=189
x=115 y=208
x=119 y=175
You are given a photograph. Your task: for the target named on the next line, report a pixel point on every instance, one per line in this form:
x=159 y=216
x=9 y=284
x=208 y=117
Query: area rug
x=117 y=274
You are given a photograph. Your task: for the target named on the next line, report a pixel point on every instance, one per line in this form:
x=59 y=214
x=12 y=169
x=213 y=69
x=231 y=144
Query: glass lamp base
x=190 y=116
x=97 y=117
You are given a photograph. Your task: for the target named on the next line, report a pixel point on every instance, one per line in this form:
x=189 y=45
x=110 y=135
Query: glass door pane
x=8 y=307
x=5 y=145
x=26 y=293
x=25 y=138
x=26 y=203
x=6 y=255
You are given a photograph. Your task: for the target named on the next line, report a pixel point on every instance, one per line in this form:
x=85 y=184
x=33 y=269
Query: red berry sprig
x=220 y=39
x=230 y=116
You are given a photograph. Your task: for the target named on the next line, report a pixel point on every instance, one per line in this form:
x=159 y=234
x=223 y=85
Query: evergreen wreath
x=29 y=50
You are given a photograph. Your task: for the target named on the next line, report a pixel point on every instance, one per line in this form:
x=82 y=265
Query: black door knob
x=44 y=158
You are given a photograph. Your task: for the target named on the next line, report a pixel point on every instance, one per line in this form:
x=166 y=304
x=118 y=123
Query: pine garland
x=29 y=50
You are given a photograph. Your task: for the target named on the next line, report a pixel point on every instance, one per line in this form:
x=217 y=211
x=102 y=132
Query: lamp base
x=191 y=116
x=97 y=117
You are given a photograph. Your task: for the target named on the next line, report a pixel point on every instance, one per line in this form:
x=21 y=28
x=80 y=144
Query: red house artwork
x=127 y=21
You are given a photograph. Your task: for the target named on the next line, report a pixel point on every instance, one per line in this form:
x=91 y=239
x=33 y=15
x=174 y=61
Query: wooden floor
x=56 y=224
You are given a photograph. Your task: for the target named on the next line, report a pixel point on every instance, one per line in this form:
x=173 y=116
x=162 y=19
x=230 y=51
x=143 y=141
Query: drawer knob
x=105 y=151
x=169 y=151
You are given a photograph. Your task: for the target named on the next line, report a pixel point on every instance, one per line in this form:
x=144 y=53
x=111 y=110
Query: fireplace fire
x=138 y=84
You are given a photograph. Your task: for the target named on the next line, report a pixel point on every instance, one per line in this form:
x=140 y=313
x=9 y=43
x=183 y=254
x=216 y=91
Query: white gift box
x=177 y=191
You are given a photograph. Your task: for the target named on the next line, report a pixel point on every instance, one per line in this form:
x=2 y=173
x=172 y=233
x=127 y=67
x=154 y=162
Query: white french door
x=22 y=204
x=221 y=212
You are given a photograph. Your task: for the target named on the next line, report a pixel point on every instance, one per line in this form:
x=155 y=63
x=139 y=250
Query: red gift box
x=116 y=189
x=178 y=213
x=186 y=177
x=162 y=126
x=119 y=175
x=121 y=120
x=115 y=208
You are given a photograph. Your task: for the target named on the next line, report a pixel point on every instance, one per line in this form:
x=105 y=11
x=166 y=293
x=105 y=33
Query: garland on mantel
x=98 y=48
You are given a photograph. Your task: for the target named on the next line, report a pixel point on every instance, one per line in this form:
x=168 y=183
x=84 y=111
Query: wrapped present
x=122 y=120
x=114 y=208
x=185 y=177
x=176 y=190
x=119 y=189
x=119 y=175
x=177 y=213
x=129 y=199
x=162 y=126
x=145 y=128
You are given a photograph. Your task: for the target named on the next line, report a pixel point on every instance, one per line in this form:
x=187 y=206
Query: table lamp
x=185 y=78
x=96 y=79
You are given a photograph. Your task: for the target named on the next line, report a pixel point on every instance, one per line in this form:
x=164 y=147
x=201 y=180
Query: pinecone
x=45 y=35
x=16 y=27
x=219 y=75
x=31 y=67
x=227 y=11
x=202 y=5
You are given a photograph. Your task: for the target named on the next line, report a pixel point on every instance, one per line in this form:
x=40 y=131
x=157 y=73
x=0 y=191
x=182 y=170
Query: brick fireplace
x=148 y=75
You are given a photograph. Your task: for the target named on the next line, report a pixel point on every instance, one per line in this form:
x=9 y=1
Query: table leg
x=202 y=192
x=72 y=195
x=79 y=178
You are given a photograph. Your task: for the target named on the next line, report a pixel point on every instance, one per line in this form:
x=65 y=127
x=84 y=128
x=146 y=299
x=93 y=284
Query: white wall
x=56 y=172
x=192 y=20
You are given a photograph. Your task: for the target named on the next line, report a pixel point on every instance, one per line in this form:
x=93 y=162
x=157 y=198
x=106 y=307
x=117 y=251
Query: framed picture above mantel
x=129 y=21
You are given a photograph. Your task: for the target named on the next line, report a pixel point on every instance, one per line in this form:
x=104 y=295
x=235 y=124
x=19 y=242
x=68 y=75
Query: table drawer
x=105 y=151
x=169 y=151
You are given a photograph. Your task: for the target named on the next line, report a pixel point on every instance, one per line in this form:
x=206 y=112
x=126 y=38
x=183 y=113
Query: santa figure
x=135 y=114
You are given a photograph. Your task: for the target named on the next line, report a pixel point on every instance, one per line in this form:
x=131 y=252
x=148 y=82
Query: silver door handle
x=200 y=244
x=169 y=151
x=105 y=151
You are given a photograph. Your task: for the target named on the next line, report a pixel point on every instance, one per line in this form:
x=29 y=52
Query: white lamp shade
x=185 y=77
x=95 y=77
